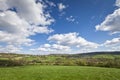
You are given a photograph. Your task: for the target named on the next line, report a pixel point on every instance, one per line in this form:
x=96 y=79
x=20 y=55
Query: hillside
x=101 y=59
x=93 y=54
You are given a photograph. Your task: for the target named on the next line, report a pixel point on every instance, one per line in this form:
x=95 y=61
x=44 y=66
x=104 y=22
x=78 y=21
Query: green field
x=59 y=73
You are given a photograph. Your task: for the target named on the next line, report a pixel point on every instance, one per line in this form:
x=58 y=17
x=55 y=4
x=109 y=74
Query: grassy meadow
x=60 y=67
x=36 y=72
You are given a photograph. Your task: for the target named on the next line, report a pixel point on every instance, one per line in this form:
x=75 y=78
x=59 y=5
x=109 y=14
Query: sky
x=59 y=26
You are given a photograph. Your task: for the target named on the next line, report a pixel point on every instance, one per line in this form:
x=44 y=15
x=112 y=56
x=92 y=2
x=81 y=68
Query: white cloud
x=112 y=25
x=52 y=48
x=47 y=45
x=33 y=14
x=3 y=5
x=28 y=18
x=9 y=49
x=116 y=48
x=72 y=39
x=111 y=22
x=114 y=41
x=70 y=19
x=61 y=6
x=10 y=22
x=36 y=29
x=66 y=43
x=15 y=39
x=60 y=47
x=50 y=3
x=112 y=45
x=117 y=3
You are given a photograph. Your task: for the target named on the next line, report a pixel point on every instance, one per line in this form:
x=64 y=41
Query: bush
x=6 y=63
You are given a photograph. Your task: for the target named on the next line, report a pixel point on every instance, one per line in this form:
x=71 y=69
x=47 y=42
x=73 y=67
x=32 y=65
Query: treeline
x=7 y=63
x=99 y=62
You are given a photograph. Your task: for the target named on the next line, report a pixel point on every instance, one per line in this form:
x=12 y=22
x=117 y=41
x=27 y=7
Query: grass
x=36 y=72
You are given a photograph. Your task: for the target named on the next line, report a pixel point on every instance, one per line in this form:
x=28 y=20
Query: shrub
x=5 y=63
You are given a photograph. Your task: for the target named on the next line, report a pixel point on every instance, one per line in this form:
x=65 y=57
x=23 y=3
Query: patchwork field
x=37 y=72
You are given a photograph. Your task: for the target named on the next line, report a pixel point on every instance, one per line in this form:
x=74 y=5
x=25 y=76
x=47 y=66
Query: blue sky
x=59 y=26
x=88 y=14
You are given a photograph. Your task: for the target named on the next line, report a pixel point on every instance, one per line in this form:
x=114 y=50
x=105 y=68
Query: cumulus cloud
x=19 y=19
x=41 y=30
x=33 y=14
x=112 y=25
x=72 y=39
x=114 y=41
x=10 y=49
x=52 y=48
x=111 y=22
x=61 y=6
x=14 y=39
x=117 y=3
x=11 y=23
x=3 y=5
x=113 y=44
x=66 y=43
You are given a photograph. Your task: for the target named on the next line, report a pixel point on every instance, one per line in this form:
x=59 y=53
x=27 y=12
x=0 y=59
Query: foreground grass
x=59 y=73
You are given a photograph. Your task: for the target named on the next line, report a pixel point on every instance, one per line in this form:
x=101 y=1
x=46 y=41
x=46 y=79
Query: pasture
x=37 y=72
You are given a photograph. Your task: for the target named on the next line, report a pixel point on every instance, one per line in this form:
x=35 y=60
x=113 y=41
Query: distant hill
x=78 y=54
x=88 y=55
x=110 y=55
x=95 y=53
